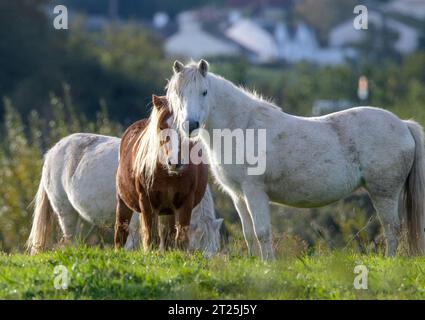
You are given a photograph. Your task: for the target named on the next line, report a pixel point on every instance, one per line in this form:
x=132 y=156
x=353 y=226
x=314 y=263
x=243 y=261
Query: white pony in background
x=310 y=162
x=77 y=188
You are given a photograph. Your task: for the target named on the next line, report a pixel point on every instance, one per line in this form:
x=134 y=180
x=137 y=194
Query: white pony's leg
x=67 y=219
x=79 y=228
x=247 y=226
x=83 y=230
x=258 y=205
x=68 y=223
x=387 y=210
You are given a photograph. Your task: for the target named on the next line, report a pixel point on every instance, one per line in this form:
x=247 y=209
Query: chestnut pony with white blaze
x=163 y=191
x=310 y=161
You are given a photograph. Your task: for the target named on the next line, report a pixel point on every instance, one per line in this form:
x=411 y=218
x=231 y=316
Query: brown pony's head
x=158 y=143
x=169 y=137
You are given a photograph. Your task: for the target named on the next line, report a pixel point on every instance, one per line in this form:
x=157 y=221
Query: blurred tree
x=20 y=164
x=115 y=65
x=28 y=50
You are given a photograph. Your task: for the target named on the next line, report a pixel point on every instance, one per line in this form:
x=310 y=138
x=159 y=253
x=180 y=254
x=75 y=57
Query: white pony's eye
x=204 y=93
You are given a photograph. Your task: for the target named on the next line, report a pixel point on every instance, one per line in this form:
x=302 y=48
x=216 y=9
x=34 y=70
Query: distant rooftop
x=251 y=36
x=411 y=8
x=345 y=34
x=192 y=42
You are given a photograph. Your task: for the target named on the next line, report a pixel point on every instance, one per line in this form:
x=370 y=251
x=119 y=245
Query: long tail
x=414 y=195
x=42 y=222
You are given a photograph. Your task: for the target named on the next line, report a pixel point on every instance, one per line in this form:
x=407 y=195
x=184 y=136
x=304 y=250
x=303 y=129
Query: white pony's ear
x=178 y=66
x=203 y=67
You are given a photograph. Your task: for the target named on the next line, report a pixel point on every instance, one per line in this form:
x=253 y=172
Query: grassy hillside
x=105 y=274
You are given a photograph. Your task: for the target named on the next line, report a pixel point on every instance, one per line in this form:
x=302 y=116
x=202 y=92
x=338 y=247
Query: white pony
x=78 y=185
x=310 y=162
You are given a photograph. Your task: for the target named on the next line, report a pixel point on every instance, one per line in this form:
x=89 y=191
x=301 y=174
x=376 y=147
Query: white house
x=345 y=34
x=303 y=46
x=254 y=38
x=410 y=8
x=250 y=37
x=192 y=42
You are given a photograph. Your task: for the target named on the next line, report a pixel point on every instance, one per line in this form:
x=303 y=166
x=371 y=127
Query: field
x=106 y=274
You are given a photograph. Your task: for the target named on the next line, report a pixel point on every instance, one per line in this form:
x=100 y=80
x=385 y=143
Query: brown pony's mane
x=147 y=148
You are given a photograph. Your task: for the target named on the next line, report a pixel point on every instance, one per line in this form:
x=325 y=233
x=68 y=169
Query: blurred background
x=99 y=75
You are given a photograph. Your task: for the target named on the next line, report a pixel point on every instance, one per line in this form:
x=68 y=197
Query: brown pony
x=163 y=193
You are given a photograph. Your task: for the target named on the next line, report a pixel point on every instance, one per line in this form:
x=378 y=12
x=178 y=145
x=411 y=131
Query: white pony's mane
x=253 y=94
x=148 y=146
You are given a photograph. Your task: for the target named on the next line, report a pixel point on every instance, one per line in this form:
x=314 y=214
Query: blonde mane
x=147 y=148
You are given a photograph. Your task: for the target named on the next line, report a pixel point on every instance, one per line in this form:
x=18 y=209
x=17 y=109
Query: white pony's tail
x=42 y=222
x=414 y=193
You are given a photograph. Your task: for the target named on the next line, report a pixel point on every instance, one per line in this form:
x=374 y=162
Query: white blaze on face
x=174 y=148
x=170 y=149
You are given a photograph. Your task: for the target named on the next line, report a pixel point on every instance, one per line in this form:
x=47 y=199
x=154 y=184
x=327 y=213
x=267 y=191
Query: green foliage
x=108 y=274
x=20 y=160
x=119 y=65
x=27 y=43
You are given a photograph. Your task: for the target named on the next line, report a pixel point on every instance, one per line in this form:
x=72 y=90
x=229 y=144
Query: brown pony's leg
x=123 y=216
x=167 y=231
x=149 y=219
x=183 y=216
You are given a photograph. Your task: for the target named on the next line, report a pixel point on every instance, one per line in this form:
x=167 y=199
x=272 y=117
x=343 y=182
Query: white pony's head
x=188 y=96
x=204 y=235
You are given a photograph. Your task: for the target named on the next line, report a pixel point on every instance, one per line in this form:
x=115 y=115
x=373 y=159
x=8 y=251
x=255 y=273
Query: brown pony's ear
x=203 y=67
x=178 y=66
x=157 y=102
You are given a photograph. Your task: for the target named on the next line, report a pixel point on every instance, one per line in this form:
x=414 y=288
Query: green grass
x=106 y=274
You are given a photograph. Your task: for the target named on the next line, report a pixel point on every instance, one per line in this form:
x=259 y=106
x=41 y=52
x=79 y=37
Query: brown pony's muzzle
x=175 y=168
x=182 y=237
